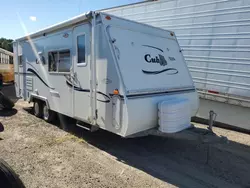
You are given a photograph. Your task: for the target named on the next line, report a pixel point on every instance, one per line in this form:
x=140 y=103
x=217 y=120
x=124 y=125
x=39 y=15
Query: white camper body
x=109 y=72
x=214 y=37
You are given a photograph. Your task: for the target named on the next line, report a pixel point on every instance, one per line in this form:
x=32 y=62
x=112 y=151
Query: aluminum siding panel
x=214 y=36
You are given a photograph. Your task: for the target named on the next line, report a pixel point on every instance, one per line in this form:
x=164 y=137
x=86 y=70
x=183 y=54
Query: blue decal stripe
x=153 y=47
x=32 y=66
x=161 y=71
x=87 y=91
x=35 y=73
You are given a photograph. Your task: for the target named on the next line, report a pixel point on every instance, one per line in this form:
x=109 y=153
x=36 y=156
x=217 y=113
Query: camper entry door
x=80 y=71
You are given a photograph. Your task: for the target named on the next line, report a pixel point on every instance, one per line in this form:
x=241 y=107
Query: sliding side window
x=59 y=61
x=53 y=60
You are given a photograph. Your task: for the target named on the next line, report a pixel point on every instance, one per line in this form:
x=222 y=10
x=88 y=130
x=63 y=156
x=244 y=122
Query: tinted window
x=53 y=59
x=81 y=49
x=20 y=60
x=11 y=60
x=64 y=61
x=59 y=61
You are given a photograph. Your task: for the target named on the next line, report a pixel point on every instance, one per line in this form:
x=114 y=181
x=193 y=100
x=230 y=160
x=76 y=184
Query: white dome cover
x=174 y=115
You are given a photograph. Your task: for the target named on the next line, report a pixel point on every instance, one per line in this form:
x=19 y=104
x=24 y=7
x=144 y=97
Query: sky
x=38 y=14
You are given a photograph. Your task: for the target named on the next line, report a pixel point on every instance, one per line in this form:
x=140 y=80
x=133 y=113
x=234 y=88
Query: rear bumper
x=142 y=111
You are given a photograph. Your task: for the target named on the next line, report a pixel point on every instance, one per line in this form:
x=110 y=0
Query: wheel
x=48 y=115
x=38 y=111
x=8 y=178
x=6 y=102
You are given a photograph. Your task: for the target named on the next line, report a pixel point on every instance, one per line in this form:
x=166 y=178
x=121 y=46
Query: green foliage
x=6 y=44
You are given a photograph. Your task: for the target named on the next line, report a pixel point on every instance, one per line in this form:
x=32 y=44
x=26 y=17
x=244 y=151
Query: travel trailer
x=106 y=72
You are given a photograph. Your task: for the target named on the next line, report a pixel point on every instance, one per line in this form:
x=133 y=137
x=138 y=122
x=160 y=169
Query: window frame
x=20 y=57
x=19 y=49
x=85 y=63
x=58 y=56
x=11 y=60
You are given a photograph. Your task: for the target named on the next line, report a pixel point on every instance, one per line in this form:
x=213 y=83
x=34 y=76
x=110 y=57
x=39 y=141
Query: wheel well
x=39 y=98
x=36 y=99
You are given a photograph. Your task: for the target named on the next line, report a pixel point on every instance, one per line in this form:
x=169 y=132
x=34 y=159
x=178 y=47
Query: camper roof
x=73 y=21
x=57 y=26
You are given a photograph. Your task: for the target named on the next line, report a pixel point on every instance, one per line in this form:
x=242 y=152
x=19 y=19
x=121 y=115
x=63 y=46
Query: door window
x=81 y=49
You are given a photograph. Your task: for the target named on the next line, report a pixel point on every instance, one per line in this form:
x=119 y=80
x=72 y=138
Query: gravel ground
x=44 y=155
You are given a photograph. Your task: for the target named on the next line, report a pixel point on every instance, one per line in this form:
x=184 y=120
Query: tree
x=6 y=44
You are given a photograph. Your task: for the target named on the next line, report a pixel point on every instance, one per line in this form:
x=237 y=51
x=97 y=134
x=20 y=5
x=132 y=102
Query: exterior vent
x=29 y=83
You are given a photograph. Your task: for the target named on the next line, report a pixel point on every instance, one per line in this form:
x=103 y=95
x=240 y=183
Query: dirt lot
x=44 y=155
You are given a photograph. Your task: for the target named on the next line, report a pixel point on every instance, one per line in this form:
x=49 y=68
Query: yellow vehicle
x=6 y=66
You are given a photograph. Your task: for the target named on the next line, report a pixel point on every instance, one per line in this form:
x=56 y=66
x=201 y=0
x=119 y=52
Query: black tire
x=38 y=108
x=8 y=178
x=1 y=127
x=1 y=81
x=6 y=102
x=48 y=115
